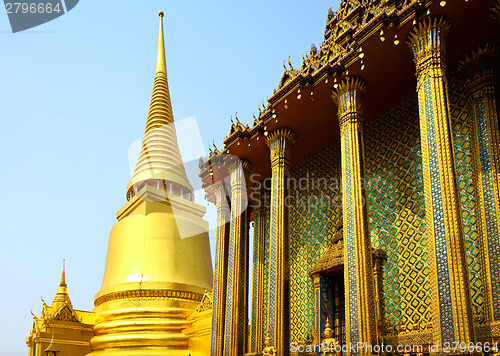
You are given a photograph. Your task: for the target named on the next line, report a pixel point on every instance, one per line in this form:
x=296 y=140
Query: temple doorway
x=329 y=295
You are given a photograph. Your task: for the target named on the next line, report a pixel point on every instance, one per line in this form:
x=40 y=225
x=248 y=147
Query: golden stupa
x=155 y=297
x=158 y=264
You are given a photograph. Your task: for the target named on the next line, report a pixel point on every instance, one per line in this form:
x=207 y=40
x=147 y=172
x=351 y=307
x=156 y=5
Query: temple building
x=72 y=328
x=372 y=179
x=155 y=297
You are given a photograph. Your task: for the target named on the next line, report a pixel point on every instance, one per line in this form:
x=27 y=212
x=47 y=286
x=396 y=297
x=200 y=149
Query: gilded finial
x=161 y=66
x=328 y=331
x=63 y=275
x=290 y=63
x=284 y=66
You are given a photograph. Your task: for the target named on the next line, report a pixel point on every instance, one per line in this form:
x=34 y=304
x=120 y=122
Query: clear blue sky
x=74 y=96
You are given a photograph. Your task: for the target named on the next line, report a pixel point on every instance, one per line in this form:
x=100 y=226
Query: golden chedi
x=158 y=263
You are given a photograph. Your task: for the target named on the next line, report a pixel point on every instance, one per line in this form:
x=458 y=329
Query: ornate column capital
x=219 y=192
x=427 y=41
x=348 y=99
x=477 y=68
x=238 y=169
x=280 y=142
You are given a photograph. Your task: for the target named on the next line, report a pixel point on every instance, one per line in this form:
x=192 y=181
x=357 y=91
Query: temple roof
x=365 y=39
x=160 y=157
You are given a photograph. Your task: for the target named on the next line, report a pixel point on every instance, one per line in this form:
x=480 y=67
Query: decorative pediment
x=66 y=314
x=206 y=302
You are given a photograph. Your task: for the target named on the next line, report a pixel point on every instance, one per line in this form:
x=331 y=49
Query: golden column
x=477 y=70
x=451 y=307
x=237 y=291
x=280 y=143
x=358 y=268
x=158 y=263
x=260 y=211
x=220 y=274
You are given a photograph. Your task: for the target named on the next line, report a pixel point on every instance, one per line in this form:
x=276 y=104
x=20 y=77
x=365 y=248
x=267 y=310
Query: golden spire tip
x=161 y=66
x=63 y=276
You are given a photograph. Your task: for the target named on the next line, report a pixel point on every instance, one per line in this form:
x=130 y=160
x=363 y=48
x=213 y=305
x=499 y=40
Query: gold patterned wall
x=396 y=213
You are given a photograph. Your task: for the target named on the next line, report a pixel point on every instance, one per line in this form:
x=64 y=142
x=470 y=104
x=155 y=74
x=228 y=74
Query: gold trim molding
x=149 y=294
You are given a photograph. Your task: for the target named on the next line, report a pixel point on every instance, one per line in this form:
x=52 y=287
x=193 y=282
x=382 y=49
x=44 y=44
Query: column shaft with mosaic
x=237 y=291
x=451 y=306
x=358 y=268
x=280 y=143
x=477 y=70
x=260 y=211
x=221 y=263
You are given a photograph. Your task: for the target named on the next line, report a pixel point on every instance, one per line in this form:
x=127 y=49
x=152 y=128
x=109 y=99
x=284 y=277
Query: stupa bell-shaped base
x=158 y=267
x=142 y=326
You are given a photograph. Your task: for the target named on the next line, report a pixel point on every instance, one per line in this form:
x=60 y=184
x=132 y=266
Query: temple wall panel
x=397 y=214
x=315 y=211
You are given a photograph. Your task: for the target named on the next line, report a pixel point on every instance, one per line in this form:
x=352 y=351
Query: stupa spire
x=62 y=295
x=159 y=162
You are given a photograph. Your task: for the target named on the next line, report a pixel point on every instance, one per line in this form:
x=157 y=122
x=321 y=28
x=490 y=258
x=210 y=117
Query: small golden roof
x=62 y=296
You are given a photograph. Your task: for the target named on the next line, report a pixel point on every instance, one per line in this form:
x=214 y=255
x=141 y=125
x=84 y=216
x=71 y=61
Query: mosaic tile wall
x=397 y=213
x=316 y=209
